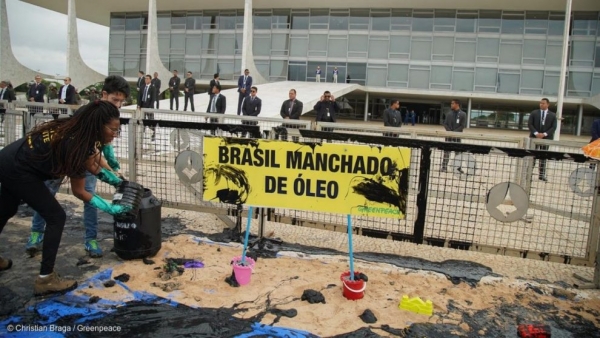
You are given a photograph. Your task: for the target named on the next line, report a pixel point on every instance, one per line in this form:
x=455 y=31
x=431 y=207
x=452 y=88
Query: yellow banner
x=336 y=178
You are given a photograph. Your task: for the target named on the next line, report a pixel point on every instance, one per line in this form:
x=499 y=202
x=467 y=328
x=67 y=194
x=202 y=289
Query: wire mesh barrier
x=497 y=195
x=475 y=203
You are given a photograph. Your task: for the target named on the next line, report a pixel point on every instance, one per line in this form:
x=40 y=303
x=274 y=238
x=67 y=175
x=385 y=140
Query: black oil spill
x=124 y=278
x=364 y=332
x=313 y=296
x=534 y=289
x=147 y=261
x=241 y=141
x=109 y=283
x=368 y=317
x=232 y=281
x=386 y=189
x=164 y=320
x=238 y=185
x=290 y=313
x=456 y=271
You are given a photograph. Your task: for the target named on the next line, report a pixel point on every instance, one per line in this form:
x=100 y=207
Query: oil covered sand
x=488 y=308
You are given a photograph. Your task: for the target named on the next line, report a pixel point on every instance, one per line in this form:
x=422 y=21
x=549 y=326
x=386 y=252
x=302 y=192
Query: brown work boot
x=5 y=264
x=52 y=283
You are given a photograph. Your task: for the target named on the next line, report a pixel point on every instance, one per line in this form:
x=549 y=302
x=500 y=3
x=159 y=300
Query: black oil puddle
x=455 y=270
x=139 y=319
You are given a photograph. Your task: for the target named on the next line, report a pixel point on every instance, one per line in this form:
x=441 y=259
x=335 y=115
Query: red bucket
x=353 y=289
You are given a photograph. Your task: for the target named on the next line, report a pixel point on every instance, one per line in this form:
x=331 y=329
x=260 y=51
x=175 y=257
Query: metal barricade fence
x=475 y=204
x=459 y=208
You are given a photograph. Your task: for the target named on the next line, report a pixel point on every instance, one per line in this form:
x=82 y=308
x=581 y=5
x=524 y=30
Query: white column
x=153 y=62
x=579 y=119
x=366 y=106
x=80 y=73
x=563 y=70
x=470 y=103
x=10 y=68
x=247 y=55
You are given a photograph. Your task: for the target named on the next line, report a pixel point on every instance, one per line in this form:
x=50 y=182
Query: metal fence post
x=132 y=146
x=10 y=128
x=419 y=227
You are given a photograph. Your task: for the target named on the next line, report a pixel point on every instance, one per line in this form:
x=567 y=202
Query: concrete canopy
x=99 y=12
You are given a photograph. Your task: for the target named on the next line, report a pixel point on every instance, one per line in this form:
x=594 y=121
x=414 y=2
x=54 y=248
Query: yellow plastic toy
x=416 y=305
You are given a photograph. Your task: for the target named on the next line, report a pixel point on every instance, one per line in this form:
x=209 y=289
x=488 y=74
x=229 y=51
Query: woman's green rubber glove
x=112 y=209
x=109 y=153
x=109 y=177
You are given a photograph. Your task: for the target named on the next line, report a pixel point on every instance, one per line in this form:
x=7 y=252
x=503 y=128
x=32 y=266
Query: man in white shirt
x=66 y=93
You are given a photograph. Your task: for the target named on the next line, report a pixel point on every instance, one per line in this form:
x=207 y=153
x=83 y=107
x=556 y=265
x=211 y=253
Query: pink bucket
x=243 y=273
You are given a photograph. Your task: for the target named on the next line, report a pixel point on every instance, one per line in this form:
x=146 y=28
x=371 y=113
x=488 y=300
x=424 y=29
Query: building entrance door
x=435 y=115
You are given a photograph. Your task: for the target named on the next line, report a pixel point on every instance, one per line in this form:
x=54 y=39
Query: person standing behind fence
x=216 y=105
x=6 y=93
x=156 y=84
x=335 y=74
x=140 y=81
x=189 y=87
x=456 y=121
x=66 y=95
x=318 y=74
x=146 y=98
x=290 y=110
x=244 y=85
x=542 y=124
x=410 y=117
x=251 y=106
x=392 y=117
x=174 y=83
x=36 y=93
x=213 y=82
x=52 y=96
x=326 y=108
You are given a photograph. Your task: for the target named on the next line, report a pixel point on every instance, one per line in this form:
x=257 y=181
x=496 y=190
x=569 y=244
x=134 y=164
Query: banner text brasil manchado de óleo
x=336 y=178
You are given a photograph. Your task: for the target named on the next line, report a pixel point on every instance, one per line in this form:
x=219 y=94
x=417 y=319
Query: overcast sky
x=39 y=39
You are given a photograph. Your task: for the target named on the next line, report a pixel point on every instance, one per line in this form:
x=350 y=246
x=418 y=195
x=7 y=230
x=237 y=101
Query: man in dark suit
x=290 y=110
x=36 y=94
x=156 y=84
x=37 y=90
x=326 y=108
x=216 y=105
x=456 y=121
x=542 y=124
x=174 y=90
x=244 y=85
x=213 y=82
x=189 y=87
x=140 y=81
x=66 y=93
x=251 y=106
x=6 y=93
x=146 y=97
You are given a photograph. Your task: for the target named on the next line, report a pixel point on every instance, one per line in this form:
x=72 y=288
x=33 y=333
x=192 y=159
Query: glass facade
x=512 y=52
